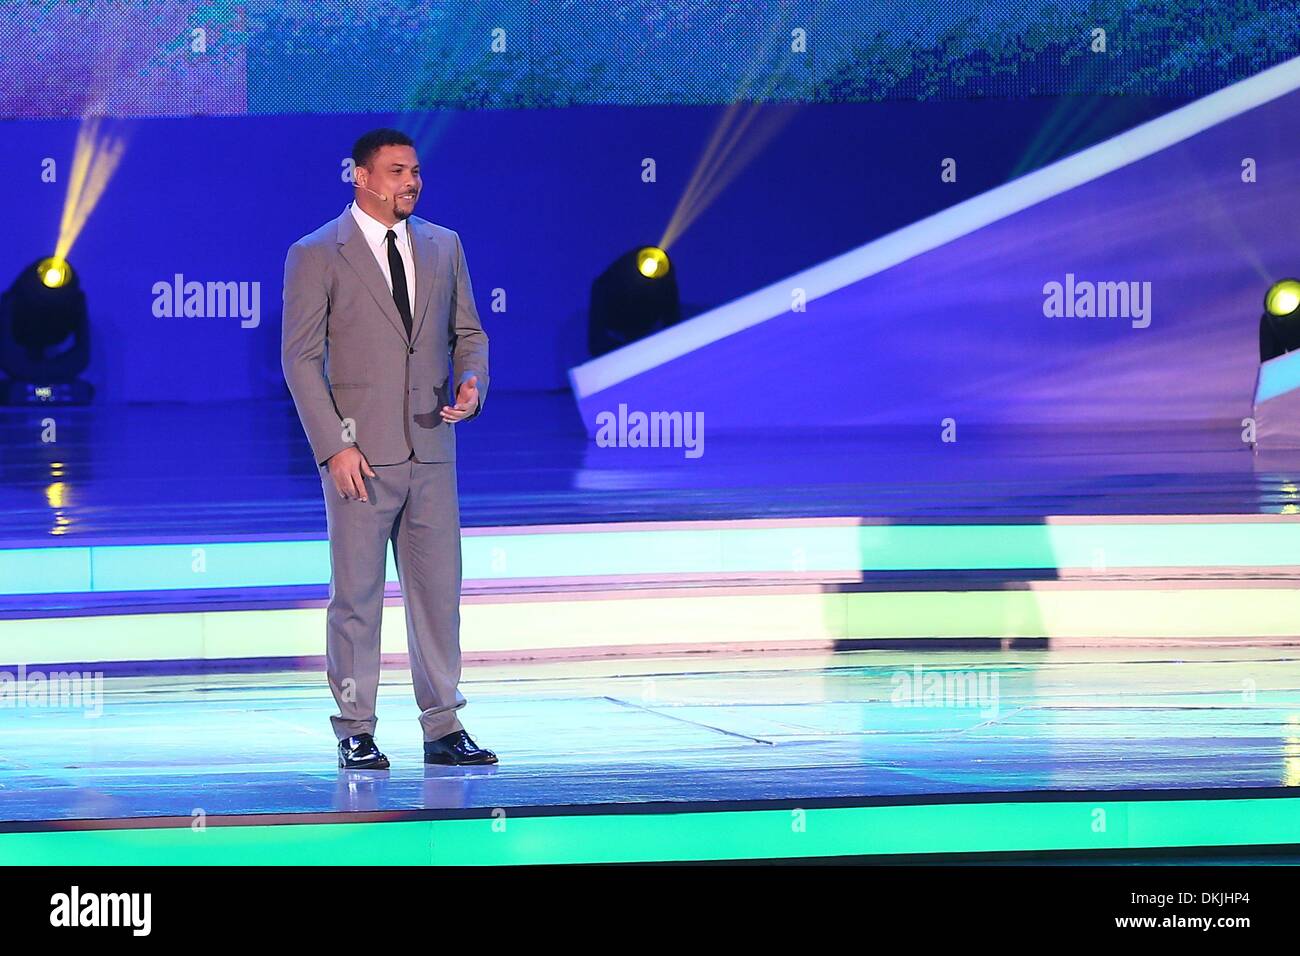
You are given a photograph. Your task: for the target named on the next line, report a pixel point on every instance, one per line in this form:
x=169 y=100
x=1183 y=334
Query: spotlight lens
x=652 y=262
x=53 y=272
x=1283 y=297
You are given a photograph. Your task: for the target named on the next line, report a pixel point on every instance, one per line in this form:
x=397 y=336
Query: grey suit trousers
x=412 y=504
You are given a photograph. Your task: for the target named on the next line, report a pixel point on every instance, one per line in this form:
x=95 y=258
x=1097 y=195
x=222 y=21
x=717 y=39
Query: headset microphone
x=381 y=196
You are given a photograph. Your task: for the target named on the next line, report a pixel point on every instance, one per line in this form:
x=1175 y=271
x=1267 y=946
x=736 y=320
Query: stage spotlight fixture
x=1279 y=325
x=1282 y=298
x=53 y=272
x=44 y=337
x=652 y=262
x=636 y=296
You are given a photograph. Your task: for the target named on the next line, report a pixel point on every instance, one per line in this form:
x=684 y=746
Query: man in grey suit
x=377 y=304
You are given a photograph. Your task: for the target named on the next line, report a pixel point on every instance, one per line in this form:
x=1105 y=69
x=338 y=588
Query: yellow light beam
x=776 y=117
x=717 y=166
x=94 y=160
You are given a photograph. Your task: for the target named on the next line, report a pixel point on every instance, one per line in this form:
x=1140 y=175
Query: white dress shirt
x=375 y=233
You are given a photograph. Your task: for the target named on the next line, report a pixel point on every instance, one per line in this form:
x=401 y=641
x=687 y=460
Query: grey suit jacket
x=354 y=376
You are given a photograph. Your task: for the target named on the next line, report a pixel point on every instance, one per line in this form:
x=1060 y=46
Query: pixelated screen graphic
x=226 y=58
x=122 y=59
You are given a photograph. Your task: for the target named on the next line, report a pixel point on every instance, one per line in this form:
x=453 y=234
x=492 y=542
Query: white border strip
x=933 y=231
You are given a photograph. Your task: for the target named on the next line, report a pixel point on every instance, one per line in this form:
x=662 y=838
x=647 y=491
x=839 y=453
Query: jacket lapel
x=426 y=264
x=352 y=245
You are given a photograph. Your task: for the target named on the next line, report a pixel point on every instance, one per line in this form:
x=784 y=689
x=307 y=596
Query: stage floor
x=1080 y=642
x=948 y=734
x=155 y=473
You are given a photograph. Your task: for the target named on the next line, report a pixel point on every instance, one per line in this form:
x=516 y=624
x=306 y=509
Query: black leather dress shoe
x=457 y=749
x=360 y=753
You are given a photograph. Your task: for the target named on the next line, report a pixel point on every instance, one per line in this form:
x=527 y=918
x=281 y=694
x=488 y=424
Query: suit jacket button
x=410 y=351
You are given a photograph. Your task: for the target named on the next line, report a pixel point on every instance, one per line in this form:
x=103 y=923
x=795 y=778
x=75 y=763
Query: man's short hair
x=364 y=149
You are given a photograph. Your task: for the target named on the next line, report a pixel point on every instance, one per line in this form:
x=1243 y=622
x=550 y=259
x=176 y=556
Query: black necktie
x=397 y=269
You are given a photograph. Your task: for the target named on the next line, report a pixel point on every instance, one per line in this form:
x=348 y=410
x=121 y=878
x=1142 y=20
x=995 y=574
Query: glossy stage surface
x=940 y=731
x=688 y=730
x=126 y=473
x=866 y=644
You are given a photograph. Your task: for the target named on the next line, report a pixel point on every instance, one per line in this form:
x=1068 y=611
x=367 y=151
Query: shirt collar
x=375 y=231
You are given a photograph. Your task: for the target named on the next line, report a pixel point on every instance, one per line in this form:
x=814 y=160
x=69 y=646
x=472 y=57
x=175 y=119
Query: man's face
x=393 y=171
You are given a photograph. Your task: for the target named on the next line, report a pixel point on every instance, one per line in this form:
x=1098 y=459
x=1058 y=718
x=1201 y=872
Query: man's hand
x=466 y=401
x=346 y=467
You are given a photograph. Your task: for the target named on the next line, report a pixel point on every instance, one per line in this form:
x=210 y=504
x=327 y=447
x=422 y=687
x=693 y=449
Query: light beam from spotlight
x=722 y=159
x=94 y=160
